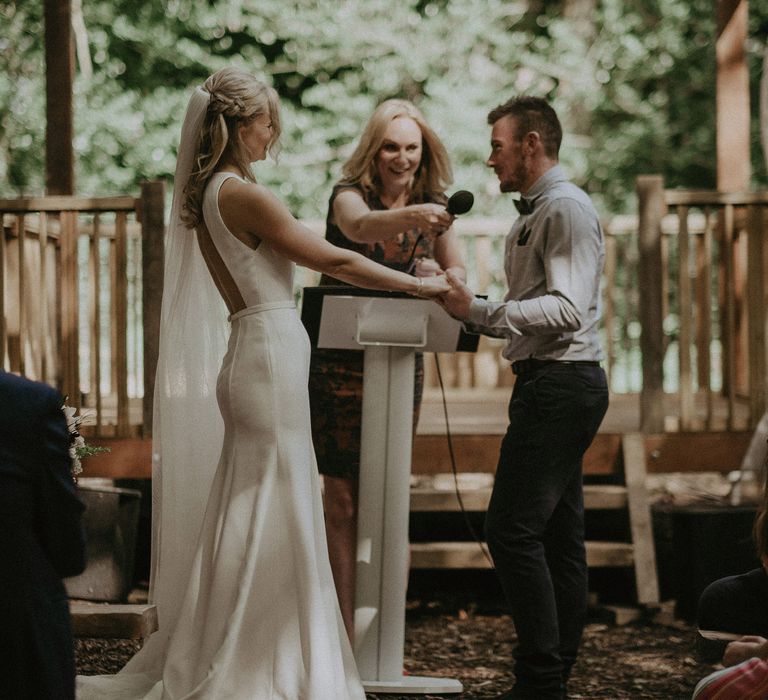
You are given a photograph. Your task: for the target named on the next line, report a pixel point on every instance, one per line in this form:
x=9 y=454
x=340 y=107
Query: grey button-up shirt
x=553 y=261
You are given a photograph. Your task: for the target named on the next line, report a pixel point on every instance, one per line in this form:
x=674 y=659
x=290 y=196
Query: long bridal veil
x=187 y=427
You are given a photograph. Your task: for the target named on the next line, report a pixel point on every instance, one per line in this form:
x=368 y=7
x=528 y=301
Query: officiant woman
x=389 y=206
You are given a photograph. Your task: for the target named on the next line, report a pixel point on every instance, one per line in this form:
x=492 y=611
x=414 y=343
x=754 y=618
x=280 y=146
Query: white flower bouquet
x=77 y=445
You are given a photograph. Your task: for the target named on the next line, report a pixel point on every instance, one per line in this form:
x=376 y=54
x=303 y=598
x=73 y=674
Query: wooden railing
x=482 y=244
x=80 y=284
x=685 y=337
x=703 y=284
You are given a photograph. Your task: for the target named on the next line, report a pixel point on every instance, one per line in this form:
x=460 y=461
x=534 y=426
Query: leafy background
x=633 y=82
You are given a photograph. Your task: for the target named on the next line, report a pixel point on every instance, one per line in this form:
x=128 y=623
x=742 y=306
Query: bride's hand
x=434 y=286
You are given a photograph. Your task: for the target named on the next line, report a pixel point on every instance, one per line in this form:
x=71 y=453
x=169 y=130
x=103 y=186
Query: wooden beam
x=112 y=621
x=120 y=351
x=128 y=458
x=757 y=306
x=685 y=311
x=425 y=499
x=69 y=203
x=3 y=299
x=468 y=555
x=59 y=77
x=700 y=198
x=480 y=453
x=69 y=306
x=474 y=453
x=733 y=162
x=733 y=118
x=651 y=274
x=633 y=450
x=131 y=458
x=152 y=264
x=672 y=452
x=696 y=452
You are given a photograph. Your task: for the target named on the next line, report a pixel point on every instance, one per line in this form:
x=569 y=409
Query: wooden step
x=468 y=555
x=112 y=620
x=438 y=493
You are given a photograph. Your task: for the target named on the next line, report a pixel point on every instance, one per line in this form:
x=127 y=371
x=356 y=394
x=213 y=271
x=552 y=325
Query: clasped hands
x=444 y=287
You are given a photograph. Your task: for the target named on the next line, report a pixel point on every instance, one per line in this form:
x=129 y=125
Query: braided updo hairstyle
x=237 y=98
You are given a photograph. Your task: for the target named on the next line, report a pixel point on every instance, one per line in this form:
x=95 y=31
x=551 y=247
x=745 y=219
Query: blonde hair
x=236 y=99
x=434 y=173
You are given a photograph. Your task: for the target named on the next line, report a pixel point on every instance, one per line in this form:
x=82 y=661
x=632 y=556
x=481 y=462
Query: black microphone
x=460 y=202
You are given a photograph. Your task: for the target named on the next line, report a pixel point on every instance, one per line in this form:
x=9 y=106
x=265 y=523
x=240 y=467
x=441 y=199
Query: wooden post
x=684 y=311
x=68 y=314
x=651 y=209
x=21 y=280
x=733 y=157
x=59 y=73
x=641 y=525
x=733 y=154
x=120 y=290
x=152 y=264
x=704 y=315
x=758 y=312
x=43 y=326
x=729 y=314
x=95 y=275
x=3 y=300
x=609 y=320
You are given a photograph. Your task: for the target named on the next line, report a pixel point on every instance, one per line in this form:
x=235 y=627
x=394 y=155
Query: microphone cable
x=411 y=263
x=467 y=521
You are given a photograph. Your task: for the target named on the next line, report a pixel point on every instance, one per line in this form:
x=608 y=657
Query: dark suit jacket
x=41 y=541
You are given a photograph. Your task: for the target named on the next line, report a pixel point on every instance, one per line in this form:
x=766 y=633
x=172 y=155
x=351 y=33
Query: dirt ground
x=637 y=660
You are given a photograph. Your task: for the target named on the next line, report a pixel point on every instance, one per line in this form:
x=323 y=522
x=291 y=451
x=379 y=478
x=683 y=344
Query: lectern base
x=415 y=685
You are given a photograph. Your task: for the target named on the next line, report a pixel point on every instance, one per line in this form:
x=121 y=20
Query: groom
x=549 y=318
x=41 y=541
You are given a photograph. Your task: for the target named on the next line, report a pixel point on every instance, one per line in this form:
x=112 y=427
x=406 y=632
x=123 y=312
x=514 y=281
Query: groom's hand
x=457 y=300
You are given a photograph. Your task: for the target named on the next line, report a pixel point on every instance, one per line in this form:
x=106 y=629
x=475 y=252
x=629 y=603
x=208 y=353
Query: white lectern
x=390 y=328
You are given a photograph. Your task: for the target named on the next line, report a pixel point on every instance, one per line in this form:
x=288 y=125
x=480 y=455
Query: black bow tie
x=524 y=206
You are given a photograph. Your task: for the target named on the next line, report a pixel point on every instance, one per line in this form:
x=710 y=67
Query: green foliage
x=633 y=81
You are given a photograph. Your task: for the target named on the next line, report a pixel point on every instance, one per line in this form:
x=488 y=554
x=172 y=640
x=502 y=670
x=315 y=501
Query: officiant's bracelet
x=421 y=284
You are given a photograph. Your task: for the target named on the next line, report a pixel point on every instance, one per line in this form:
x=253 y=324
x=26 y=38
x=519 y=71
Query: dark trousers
x=535 y=520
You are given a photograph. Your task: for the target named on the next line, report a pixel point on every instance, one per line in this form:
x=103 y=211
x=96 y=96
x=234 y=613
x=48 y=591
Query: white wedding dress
x=259 y=618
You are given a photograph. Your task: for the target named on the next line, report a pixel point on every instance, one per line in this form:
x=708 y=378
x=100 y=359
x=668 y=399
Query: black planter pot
x=698 y=544
x=110 y=520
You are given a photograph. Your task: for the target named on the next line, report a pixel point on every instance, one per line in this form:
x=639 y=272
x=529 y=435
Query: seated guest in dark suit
x=41 y=541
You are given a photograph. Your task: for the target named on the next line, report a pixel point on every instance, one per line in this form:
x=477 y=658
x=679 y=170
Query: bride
x=240 y=574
